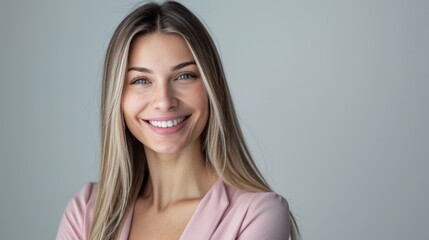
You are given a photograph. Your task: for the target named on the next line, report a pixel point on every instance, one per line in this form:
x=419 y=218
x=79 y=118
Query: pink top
x=224 y=213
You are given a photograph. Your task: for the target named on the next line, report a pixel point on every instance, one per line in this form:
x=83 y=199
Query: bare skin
x=165 y=210
x=163 y=83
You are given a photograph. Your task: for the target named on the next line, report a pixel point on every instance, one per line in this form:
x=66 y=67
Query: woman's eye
x=140 y=81
x=185 y=76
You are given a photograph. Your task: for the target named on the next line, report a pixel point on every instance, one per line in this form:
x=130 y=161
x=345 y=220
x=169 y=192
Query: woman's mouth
x=167 y=123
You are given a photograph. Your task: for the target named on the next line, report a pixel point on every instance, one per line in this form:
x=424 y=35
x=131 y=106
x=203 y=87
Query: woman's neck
x=177 y=177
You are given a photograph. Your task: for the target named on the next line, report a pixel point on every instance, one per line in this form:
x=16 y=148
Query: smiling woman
x=174 y=163
x=164 y=102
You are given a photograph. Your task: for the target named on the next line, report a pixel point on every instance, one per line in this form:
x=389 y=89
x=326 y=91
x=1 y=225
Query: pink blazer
x=224 y=213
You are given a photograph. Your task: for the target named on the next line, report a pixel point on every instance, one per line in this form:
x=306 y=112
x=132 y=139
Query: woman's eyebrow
x=174 y=68
x=182 y=65
x=139 y=69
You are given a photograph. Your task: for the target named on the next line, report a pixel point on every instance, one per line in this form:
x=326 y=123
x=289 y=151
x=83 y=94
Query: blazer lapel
x=125 y=231
x=208 y=214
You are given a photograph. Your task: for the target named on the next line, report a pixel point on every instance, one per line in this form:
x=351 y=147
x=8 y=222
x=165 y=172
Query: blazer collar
x=205 y=219
x=125 y=231
x=208 y=214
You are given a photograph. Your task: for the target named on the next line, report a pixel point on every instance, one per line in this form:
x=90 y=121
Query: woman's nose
x=164 y=98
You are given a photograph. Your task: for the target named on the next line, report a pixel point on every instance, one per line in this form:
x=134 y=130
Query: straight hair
x=123 y=167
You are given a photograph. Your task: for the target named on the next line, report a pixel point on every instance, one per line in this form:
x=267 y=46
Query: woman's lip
x=162 y=130
x=166 y=118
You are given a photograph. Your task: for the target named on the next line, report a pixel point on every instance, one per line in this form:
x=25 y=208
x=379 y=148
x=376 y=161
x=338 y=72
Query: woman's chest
x=151 y=223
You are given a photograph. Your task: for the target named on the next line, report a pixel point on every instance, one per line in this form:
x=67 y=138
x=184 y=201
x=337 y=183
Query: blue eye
x=140 y=81
x=185 y=76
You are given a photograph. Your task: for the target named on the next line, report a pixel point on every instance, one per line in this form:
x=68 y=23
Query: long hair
x=123 y=169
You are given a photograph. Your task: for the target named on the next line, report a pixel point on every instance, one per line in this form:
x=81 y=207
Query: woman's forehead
x=156 y=49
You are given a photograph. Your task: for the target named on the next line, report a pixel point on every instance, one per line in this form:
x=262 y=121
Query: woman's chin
x=165 y=149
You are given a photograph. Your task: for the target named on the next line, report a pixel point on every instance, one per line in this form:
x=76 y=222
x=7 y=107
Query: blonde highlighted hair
x=123 y=169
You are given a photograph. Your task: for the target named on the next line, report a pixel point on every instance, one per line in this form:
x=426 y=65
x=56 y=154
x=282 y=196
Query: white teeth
x=166 y=124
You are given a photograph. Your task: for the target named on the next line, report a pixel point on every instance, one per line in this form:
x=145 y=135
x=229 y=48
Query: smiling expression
x=164 y=101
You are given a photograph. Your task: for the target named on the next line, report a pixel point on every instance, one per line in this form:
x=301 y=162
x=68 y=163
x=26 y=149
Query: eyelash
x=140 y=80
x=189 y=75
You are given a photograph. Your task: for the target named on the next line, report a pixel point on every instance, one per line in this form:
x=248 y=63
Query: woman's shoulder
x=264 y=214
x=77 y=215
x=257 y=199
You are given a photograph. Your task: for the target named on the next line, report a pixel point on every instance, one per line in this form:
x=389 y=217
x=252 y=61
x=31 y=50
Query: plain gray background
x=332 y=95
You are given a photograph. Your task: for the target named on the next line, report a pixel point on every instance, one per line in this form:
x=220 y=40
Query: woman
x=174 y=163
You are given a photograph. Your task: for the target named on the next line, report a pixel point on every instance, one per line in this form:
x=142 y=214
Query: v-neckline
x=125 y=232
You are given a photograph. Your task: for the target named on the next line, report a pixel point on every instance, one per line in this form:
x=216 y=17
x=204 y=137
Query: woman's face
x=164 y=101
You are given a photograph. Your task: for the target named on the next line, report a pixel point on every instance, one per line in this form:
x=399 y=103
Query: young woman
x=174 y=164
